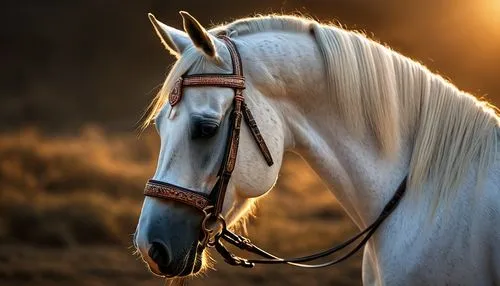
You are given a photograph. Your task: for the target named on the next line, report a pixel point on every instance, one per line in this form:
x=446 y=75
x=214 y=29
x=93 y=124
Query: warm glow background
x=77 y=75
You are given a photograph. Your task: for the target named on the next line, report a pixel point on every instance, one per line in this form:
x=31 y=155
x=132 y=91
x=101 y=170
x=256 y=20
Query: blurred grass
x=68 y=207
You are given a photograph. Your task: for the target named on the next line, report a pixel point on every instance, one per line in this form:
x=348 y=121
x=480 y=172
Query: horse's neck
x=354 y=170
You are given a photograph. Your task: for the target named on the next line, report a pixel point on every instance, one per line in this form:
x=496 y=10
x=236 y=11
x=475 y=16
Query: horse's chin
x=193 y=265
x=196 y=263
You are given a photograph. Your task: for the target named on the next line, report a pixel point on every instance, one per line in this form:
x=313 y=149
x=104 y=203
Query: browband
x=217 y=80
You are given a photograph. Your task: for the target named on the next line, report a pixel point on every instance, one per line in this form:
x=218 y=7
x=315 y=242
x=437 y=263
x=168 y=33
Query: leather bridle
x=213 y=226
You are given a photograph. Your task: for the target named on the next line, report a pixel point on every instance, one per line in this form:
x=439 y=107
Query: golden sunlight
x=489 y=13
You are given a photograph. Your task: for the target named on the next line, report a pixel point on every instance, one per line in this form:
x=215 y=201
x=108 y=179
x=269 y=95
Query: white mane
x=383 y=92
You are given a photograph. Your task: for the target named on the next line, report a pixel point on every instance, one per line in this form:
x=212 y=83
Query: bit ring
x=212 y=227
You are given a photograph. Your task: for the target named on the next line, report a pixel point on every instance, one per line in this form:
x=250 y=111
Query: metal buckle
x=212 y=227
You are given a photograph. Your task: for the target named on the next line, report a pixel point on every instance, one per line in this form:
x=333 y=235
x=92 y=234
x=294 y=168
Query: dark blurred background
x=76 y=77
x=67 y=63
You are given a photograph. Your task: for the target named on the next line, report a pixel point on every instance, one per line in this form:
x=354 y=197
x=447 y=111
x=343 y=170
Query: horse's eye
x=203 y=126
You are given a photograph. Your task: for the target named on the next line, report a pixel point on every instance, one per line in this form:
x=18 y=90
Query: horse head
x=194 y=127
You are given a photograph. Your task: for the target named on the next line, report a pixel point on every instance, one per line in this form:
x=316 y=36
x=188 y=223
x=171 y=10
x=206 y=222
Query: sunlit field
x=69 y=205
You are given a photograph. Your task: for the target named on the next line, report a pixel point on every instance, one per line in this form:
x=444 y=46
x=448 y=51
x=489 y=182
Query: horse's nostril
x=159 y=254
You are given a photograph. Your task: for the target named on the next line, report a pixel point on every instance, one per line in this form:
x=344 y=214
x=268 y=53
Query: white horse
x=364 y=117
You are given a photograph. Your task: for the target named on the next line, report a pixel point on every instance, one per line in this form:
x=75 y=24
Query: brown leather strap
x=219 y=80
x=234 y=135
x=254 y=129
x=237 y=69
x=171 y=192
x=235 y=55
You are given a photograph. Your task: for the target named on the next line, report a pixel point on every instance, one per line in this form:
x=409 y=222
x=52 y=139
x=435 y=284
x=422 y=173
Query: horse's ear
x=200 y=37
x=174 y=40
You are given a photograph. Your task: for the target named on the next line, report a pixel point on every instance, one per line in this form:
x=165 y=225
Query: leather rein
x=213 y=226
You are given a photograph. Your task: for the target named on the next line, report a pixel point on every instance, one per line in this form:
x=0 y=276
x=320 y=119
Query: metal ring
x=211 y=230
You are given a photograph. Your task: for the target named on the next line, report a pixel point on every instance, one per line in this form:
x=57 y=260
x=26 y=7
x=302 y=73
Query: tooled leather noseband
x=213 y=225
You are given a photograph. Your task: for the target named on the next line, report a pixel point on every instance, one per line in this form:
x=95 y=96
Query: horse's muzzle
x=167 y=238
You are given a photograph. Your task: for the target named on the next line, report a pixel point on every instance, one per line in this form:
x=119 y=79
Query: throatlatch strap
x=254 y=129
